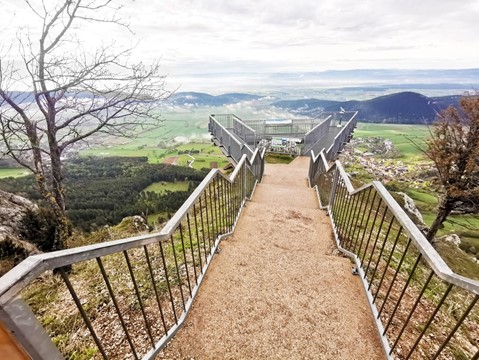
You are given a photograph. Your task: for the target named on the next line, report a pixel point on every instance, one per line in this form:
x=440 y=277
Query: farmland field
x=12 y=172
x=402 y=136
x=162 y=186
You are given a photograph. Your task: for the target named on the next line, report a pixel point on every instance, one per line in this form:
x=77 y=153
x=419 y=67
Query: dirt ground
x=276 y=290
x=172 y=160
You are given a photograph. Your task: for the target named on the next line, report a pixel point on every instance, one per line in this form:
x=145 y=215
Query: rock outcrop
x=12 y=211
x=411 y=209
x=451 y=238
x=13 y=248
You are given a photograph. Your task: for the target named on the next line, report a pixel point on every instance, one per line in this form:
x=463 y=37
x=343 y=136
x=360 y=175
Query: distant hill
x=202 y=99
x=404 y=107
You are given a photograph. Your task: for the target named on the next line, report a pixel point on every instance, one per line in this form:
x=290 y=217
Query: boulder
x=132 y=224
x=451 y=238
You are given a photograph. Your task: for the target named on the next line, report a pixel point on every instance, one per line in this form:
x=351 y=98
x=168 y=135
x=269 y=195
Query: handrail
x=209 y=215
x=372 y=228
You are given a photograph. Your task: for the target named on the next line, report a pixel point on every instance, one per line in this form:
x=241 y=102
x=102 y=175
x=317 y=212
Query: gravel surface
x=276 y=291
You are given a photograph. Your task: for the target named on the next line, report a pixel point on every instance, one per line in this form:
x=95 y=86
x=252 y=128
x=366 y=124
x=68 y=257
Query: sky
x=222 y=38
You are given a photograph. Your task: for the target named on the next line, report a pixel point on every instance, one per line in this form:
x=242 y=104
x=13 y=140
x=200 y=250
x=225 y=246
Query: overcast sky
x=258 y=36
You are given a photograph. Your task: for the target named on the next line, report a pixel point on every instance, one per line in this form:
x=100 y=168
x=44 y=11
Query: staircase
x=277 y=290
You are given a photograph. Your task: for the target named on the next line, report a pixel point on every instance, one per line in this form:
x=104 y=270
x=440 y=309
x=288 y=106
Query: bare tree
x=72 y=94
x=454 y=149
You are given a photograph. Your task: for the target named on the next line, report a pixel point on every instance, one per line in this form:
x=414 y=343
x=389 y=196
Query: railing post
x=17 y=317
x=333 y=190
x=243 y=180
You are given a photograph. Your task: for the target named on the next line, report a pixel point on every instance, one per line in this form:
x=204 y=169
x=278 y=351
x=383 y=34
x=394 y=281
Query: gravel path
x=276 y=291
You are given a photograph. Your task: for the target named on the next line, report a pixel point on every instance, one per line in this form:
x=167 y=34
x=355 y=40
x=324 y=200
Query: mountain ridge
x=404 y=107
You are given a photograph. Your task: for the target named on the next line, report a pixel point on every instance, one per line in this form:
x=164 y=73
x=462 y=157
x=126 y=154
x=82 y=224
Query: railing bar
x=382 y=249
x=197 y=237
x=150 y=269
x=395 y=276
x=458 y=324
x=431 y=319
x=83 y=314
x=216 y=221
x=168 y=281
x=371 y=232
x=231 y=205
x=359 y=223
x=208 y=222
x=413 y=309
x=351 y=221
x=180 y=282
x=366 y=225
x=184 y=257
x=203 y=231
x=225 y=207
x=378 y=235
x=191 y=246
x=403 y=291
x=348 y=213
x=388 y=262
x=137 y=291
x=221 y=200
x=344 y=207
x=337 y=196
x=155 y=289
x=341 y=205
x=218 y=204
x=117 y=308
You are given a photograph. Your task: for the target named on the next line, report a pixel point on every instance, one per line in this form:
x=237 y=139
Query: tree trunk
x=445 y=208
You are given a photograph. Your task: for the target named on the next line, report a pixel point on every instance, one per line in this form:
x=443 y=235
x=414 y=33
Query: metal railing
x=315 y=135
x=422 y=309
x=221 y=128
x=319 y=163
x=125 y=298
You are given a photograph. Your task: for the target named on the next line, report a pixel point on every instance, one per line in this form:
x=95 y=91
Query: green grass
x=161 y=187
x=203 y=161
x=203 y=148
x=12 y=172
x=271 y=158
x=208 y=153
x=401 y=135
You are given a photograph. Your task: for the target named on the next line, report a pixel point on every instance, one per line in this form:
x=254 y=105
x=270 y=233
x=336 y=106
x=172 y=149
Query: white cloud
x=211 y=36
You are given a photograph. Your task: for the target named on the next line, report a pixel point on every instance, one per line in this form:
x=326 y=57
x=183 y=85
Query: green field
x=161 y=187
x=12 y=172
x=402 y=136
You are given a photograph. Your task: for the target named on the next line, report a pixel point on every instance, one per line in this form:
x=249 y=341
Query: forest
x=103 y=190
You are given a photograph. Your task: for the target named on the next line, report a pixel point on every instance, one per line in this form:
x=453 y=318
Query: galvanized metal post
x=19 y=319
x=243 y=180
x=333 y=190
